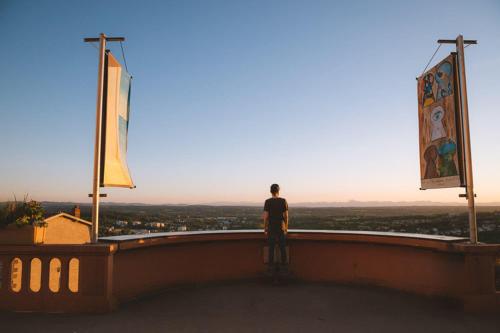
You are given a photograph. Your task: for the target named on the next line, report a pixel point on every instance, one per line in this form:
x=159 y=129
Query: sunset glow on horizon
x=229 y=97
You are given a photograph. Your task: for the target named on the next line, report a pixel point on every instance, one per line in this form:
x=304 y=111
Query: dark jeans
x=279 y=238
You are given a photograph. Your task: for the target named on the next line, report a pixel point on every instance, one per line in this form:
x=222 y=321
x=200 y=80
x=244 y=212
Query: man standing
x=276 y=226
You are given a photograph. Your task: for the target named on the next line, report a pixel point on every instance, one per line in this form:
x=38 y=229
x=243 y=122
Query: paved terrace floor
x=263 y=307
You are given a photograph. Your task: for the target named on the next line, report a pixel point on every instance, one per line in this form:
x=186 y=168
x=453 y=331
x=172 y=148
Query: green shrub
x=22 y=213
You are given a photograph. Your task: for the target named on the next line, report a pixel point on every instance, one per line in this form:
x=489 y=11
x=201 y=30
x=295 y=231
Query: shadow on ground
x=263 y=307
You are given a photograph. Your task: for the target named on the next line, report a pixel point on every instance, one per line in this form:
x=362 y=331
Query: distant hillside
x=319 y=204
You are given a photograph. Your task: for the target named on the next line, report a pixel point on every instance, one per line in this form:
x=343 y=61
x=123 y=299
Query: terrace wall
x=126 y=267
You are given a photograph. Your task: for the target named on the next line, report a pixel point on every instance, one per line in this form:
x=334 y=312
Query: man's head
x=275 y=189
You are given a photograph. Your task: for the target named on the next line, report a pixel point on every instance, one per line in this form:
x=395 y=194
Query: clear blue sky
x=230 y=96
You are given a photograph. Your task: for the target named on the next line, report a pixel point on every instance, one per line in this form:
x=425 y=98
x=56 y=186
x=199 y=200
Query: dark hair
x=275 y=188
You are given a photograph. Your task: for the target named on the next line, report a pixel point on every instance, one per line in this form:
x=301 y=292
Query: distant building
x=136 y=223
x=64 y=228
x=156 y=225
x=121 y=223
x=182 y=228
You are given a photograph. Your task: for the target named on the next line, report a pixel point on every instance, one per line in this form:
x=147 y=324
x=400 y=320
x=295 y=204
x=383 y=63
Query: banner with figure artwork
x=439 y=140
x=116 y=109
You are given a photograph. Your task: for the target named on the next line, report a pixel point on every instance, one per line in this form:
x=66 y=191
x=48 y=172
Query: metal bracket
x=101 y=195
x=454 y=41
x=108 y=39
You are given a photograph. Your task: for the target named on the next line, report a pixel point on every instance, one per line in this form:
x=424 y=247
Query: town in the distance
x=127 y=219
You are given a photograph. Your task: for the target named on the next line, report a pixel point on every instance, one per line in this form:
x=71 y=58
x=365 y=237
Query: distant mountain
x=319 y=204
x=355 y=203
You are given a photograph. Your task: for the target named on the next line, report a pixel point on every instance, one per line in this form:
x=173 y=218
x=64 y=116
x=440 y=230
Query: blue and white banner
x=115 y=117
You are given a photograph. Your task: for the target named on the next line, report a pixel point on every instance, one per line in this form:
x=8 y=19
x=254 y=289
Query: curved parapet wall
x=424 y=264
x=96 y=277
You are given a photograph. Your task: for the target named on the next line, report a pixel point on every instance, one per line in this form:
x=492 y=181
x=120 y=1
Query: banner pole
x=97 y=148
x=466 y=139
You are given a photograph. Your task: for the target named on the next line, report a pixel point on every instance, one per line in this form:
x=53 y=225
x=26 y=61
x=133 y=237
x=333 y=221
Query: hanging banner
x=441 y=163
x=115 y=116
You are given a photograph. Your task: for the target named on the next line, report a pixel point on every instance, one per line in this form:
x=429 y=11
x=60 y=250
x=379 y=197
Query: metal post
x=464 y=113
x=466 y=139
x=97 y=148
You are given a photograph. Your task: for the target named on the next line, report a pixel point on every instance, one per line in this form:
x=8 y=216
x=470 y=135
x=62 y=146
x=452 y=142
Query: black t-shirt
x=275 y=207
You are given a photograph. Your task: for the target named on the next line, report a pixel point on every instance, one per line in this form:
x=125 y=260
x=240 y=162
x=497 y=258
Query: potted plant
x=22 y=222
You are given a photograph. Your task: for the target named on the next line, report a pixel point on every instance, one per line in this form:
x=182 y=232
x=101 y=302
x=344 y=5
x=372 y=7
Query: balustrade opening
x=73 y=274
x=55 y=275
x=36 y=275
x=16 y=274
